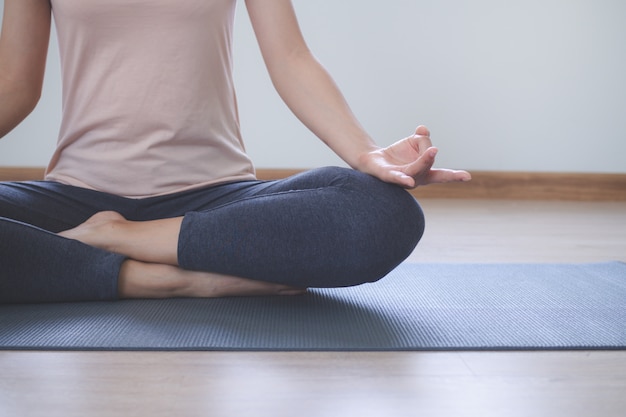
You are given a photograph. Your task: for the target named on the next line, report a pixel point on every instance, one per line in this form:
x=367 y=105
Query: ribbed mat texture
x=416 y=307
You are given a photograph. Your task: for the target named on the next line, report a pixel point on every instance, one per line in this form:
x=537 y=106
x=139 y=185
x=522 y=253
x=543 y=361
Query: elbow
x=15 y=105
x=29 y=98
x=21 y=91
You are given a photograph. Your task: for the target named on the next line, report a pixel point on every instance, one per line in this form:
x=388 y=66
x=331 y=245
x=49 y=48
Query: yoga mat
x=416 y=307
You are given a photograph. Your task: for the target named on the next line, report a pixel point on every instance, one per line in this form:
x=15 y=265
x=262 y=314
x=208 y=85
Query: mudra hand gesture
x=409 y=162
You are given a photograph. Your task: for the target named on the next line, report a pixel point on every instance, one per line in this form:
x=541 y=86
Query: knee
x=387 y=224
x=375 y=225
x=398 y=228
x=392 y=212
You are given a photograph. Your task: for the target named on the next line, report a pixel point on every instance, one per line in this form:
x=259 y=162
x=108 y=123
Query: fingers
x=423 y=164
x=398 y=178
x=423 y=173
x=409 y=163
x=447 y=175
x=421 y=139
x=422 y=169
x=422 y=131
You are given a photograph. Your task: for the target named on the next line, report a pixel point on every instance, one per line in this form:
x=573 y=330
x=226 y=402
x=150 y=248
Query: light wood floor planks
x=550 y=384
x=522 y=231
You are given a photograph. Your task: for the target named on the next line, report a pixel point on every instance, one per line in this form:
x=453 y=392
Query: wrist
x=363 y=158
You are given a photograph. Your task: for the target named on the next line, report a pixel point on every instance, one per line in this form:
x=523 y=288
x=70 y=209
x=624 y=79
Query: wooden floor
x=388 y=384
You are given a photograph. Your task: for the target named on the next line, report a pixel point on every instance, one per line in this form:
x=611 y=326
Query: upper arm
x=24 y=42
x=277 y=30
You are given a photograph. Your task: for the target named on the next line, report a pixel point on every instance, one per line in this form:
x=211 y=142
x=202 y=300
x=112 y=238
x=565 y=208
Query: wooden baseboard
x=21 y=173
x=534 y=186
x=484 y=185
x=517 y=186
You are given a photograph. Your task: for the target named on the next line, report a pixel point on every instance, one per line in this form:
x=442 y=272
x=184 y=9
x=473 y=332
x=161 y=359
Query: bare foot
x=91 y=231
x=153 y=241
x=144 y=280
x=152 y=271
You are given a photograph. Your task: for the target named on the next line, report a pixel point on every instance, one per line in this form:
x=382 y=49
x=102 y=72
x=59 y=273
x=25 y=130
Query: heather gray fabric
x=326 y=227
x=416 y=307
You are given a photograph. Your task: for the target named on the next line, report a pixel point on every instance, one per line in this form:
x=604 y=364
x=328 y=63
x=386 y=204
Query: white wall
x=533 y=85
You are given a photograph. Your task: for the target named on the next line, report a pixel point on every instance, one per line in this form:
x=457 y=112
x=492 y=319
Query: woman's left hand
x=409 y=163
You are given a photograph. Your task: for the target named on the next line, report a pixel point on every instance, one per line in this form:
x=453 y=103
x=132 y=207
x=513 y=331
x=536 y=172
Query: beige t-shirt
x=149 y=105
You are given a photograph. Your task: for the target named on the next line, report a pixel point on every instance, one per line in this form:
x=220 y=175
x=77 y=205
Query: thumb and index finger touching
x=423 y=166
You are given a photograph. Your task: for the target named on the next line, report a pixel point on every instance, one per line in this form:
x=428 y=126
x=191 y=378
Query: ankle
x=145 y=280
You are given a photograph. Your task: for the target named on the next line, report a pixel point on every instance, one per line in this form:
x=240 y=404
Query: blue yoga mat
x=416 y=307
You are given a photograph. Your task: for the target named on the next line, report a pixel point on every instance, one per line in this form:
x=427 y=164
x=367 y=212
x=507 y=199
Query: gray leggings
x=329 y=227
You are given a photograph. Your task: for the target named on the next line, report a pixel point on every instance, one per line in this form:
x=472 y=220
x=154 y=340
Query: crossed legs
x=330 y=227
x=151 y=270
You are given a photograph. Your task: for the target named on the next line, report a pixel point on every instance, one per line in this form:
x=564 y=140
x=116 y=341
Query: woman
x=150 y=193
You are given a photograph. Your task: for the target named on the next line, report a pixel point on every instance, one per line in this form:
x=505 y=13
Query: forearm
x=16 y=102
x=312 y=95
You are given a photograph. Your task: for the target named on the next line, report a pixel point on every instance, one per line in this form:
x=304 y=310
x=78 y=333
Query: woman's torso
x=149 y=104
